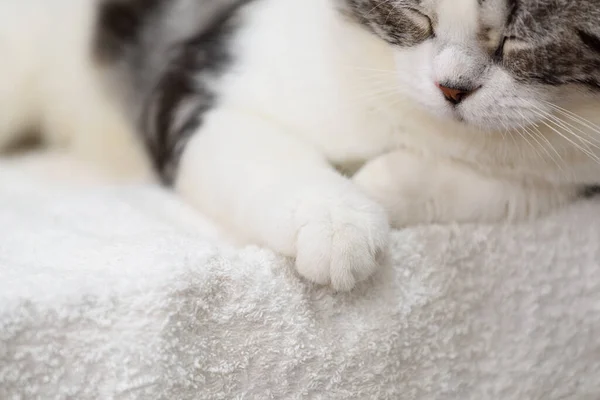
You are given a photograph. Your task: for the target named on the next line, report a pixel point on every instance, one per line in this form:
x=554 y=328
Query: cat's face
x=494 y=64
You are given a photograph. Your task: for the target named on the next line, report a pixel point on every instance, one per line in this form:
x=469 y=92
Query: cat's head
x=493 y=64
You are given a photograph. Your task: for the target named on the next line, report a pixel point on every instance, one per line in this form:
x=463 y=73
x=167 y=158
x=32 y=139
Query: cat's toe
x=343 y=245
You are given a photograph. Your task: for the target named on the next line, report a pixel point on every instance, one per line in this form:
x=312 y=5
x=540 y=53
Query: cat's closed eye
x=422 y=21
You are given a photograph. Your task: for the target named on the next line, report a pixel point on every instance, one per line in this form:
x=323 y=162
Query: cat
x=313 y=126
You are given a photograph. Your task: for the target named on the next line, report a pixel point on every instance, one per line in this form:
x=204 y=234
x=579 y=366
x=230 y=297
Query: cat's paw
x=416 y=190
x=342 y=242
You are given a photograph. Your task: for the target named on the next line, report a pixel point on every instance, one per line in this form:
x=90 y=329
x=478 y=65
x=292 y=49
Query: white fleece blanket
x=124 y=293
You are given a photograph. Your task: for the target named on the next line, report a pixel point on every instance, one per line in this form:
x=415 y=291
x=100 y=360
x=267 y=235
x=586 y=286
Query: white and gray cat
x=449 y=110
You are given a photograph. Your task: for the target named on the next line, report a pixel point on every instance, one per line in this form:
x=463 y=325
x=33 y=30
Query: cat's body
x=248 y=107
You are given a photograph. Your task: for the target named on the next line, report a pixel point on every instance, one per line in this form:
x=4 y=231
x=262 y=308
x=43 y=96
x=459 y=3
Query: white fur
x=49 y=82
x=311 y=90
x=272 y=188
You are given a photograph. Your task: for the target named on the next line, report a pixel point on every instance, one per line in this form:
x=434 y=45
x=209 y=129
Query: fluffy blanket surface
x=126 y=293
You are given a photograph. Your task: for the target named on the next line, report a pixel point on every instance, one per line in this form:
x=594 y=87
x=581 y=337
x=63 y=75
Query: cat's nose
x=454 y=94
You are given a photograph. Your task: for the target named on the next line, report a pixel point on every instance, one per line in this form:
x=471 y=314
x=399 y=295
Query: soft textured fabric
x=126 y=293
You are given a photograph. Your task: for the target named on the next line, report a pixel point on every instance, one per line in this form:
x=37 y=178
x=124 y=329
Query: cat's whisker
x=529 y=133
x=589 y=146
x=388 y=16
x=383 y=88
x=558 y=126
x=371 y=96
x=380 y=4
x=390 y=71
x=569 y=129
x=536 y=138
x=525 y=133
x=504 y=134
x=583 y=121
x=537 y=133
x=507 y=131
x=570 y=126
x=580 y=120
x=524 y=137
x=578 y=146
x=376 y=81
x=545 y=120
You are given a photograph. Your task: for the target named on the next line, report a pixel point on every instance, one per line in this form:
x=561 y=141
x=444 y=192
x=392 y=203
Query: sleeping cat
x=309 y=125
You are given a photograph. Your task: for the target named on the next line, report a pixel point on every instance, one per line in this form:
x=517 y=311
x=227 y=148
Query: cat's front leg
x=415 y=190
x=267 y=186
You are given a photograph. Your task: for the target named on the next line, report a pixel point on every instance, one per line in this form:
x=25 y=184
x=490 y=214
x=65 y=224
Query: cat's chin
x=488 y=123
x=460 y=121
x=469 y=123
x=487 y=127
x=456 y=119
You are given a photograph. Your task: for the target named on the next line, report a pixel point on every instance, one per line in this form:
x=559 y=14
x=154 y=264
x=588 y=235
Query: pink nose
x=454 y=95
